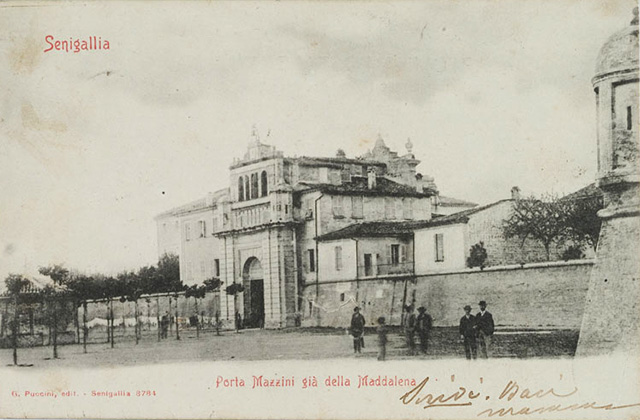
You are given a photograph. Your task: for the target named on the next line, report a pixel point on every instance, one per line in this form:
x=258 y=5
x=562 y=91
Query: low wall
x=545 y=295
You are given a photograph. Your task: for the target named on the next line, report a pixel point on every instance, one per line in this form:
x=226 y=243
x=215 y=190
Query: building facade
x=263 y=230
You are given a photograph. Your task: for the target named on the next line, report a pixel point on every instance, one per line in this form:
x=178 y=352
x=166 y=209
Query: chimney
x=515 y=193
x=371 y=178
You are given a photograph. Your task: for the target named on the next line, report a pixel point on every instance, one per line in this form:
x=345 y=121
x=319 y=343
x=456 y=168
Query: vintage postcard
x=319 y=209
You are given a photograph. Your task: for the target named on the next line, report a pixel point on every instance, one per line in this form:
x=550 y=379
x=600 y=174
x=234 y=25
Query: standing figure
x=357 y=330
x=382 y=339
x=424 y=322
x=238 y=320
x=164 y=325
x=468 y=333
x=485 y=328
x=410 y=329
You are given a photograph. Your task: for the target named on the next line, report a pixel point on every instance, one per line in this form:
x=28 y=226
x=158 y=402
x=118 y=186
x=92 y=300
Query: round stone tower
x=611 y=320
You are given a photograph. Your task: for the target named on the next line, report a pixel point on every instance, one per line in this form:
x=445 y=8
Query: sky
x=95 y=144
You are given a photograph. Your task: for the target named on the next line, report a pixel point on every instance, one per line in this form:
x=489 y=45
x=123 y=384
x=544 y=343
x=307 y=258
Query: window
x=341 y=297
x=202 y=228
x=357 y=205
x=338 y=252
x=629 y=118
x=439 y=247
x=389 y=208
x=216 y=267
x=247 y=196
x=187 y=231
x=203 y=270
x=407 y=209
x=254 y=186
x=308 y=209
x=214 y=224
x=240 y=189
x=263 y=184
x=368 y=265
x=312 y=260
x=336 y=202
x=395 y=254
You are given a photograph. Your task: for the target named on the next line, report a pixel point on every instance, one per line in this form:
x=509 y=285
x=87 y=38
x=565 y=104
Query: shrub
x=477 y=256
x=573 y=252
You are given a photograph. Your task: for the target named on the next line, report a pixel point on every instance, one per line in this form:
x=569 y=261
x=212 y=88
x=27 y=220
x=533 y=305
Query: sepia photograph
x=319 y=209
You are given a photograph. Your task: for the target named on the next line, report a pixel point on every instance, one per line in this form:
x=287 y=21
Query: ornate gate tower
x=611 y=321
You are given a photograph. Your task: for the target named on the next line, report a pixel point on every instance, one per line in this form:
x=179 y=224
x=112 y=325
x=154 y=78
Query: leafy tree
x=84 y=288
x=543 y=220
x=234 y=288
x=58 y=273
x=477 y=256
x=168 y=273
x=583 y=223
x=15 y=283
x=212 y=285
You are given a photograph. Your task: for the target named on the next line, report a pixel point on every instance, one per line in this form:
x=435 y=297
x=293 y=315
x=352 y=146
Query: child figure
x=382 y=339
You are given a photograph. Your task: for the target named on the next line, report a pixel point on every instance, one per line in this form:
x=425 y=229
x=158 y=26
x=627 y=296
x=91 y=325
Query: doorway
x=254 y=294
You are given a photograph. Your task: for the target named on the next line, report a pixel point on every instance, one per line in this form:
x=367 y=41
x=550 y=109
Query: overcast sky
x=95 y=144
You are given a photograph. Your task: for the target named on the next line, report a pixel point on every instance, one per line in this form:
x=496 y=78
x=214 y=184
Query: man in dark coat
x=357 y=330
x=423 y=325
x=468 y=333
x=485 y=328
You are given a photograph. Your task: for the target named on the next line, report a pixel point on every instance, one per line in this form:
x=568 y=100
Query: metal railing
x=365 y=271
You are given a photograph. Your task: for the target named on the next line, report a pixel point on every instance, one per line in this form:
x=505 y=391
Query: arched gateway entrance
x=254 y=293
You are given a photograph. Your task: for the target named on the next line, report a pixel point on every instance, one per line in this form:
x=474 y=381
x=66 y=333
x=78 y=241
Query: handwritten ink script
x=515 y=399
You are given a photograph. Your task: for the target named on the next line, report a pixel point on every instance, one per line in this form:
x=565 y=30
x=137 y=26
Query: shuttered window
x=439 y=238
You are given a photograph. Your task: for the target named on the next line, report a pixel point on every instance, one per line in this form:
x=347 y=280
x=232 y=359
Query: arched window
x=240 y=189
x=263 y=184
x=254 y=186
x=246 y=188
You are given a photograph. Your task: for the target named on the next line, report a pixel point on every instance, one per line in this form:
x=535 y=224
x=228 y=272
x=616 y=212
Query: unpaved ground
x=302 y=344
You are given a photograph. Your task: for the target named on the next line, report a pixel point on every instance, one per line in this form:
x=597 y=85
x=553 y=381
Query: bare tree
x=543 y=220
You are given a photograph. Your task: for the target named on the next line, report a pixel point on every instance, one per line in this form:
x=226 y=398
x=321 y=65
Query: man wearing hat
x=485 y=328
x=468 y=333
x=357 y=330
x=410 y=329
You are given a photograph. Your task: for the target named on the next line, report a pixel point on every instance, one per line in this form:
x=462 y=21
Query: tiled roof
x=373 y=229
x=360 y=185
x=313 y=161
x=461 y=216
x=195 y=205
x=387 y=228
x=454 y=202
x=589 y=191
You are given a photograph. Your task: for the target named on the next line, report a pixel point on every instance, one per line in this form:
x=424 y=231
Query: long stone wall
x=544 y=295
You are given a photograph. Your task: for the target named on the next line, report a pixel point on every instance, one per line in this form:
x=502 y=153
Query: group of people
x=475 y=331
x=420 y=325
x=357 y=332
